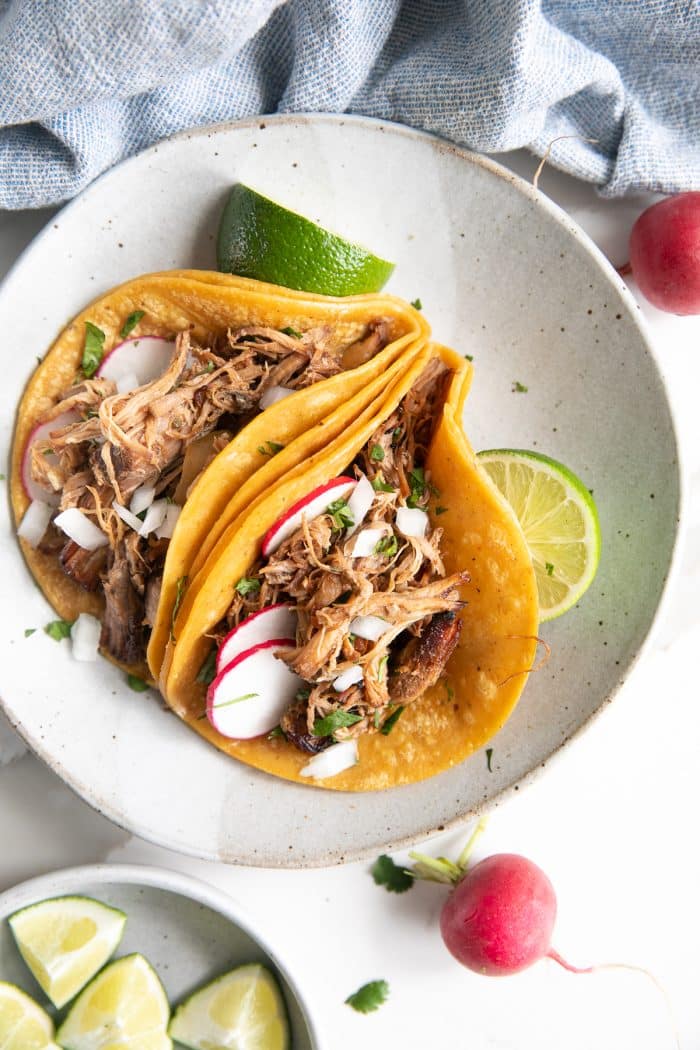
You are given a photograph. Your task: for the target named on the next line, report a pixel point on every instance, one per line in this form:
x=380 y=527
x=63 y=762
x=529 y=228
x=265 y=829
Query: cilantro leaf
x=391 y=721
x=469 y=357
x=489 y=756
x=246 y=585
x=418 y=487
x=207 y=672
x=131 y=322
x=136 y=683
x=335 y=720
x=387 y=545
x=518 y=388
x=29 y=631
x=416 y=304
x=376 y=453
x=389 y=875
x=369 y=997
x=341 y=514
x=277 y=732
x=380 y=485
x=291 y=331
x=94 y=349
x=59 y=629
x=273 y=447
x=549 y=567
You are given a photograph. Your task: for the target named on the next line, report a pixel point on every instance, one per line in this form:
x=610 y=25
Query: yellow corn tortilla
x=206 y=303
x=488 y=670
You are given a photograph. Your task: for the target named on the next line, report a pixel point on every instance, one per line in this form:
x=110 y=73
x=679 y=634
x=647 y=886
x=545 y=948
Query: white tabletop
x=613 y=823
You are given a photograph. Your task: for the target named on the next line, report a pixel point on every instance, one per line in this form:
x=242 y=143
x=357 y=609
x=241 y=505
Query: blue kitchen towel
x=84 y=83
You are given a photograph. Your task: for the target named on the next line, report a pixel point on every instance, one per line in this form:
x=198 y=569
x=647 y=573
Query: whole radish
x=665 y=254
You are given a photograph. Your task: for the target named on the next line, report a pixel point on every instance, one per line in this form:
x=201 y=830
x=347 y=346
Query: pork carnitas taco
x=173 y=383
x=371 y=620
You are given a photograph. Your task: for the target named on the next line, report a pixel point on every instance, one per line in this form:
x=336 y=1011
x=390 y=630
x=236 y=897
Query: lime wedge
x=23 y=1024
x=65 y=941
x=123 y=1008
x=558 y=518
x=261 y=239
x=242 y=1010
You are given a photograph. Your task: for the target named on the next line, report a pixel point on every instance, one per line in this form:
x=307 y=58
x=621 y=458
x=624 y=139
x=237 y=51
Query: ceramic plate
x=503 y=275
x=188 y=931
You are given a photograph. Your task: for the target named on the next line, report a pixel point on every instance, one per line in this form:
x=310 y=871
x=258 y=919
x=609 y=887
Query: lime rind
x=27 y=1026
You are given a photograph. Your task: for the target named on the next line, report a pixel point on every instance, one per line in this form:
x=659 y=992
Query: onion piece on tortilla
x=79 y=528
x=35 y=522
x=333 y=760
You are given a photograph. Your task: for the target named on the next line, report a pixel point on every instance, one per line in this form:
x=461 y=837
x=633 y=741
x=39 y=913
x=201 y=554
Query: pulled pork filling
x=108 y=444
x=403 y=581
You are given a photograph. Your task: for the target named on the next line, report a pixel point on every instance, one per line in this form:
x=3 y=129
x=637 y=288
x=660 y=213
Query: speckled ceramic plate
x=503 y=275
x=188 y=931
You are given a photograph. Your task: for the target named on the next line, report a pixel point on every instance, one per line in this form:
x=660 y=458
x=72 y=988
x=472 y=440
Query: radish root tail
x=545 y=158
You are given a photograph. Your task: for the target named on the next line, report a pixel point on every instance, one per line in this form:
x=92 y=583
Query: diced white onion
x=369 y=627
x=85 y=637
x=35 y=522
x=128 y=382
x=412 y=521
x=127 y=517
x=155 y=516
x=360 y=502
x=78 y=527
x=352 y=676
x=366 y=541
x=273 y=394
x=142 y=498
x=332 y=761
x=166 y=530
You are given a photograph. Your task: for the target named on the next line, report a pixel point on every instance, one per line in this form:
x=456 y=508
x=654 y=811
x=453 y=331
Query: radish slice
x=127 y=383
x=79 y=528
x=309 y=507
x=274 y=621
x=360 y=503
x=332 y=761
x=166 y=530
x=85 y=638
x=366 y=541
x=127 y=517
x=146 y=358
x=412 y=521
x=41 y=433
x=352 y=676
x=35 y=522
x=274 y=394
x=251 y=694
x=142 y=498
x=369 y=627
x=155 y=516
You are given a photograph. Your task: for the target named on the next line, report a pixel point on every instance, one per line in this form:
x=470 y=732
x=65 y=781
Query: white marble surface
x=612 y=822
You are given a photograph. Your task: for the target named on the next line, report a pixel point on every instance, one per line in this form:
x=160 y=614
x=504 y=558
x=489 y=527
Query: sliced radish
x=166 y=530
x=145 y=357
x=274 y=394
x=251 y=694
x=35 y=522
x=127 y=517
x=366 y=541
x=332 y=761
x=274 y=621
x=127 y=383
x=41 y=433
x=309 y=507
x=353 y=676
x=79 y=528
x=155 y=516
x=85 y=638
x=142 y=498
x=369 y=627
x=412 y=521
x=360 y=503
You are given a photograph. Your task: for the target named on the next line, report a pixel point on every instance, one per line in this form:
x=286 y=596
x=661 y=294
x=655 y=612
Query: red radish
x=274 y=621
x=250 y=695
x=315 y=503
x=145 y=357
x=41 y=433
x=665 y=253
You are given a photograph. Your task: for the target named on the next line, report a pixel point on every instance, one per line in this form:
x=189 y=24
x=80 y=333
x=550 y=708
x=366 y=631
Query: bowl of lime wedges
x=138 y=956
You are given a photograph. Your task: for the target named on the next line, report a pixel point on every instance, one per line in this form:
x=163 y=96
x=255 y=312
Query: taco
x=166 y=381
x=371 y=620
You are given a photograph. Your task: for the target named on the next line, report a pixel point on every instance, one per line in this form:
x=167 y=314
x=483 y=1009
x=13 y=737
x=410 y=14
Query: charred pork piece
x=365 y=349
x=123 y=633
x=294 y=725
x=422 y=660
x=83 y=566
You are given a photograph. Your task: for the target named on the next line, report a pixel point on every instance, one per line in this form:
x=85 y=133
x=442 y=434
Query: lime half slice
x=123 y=1008
x=23 y=1024
x=242 y=1010
x=261 y=239
x=65 y=941
x=558 y=518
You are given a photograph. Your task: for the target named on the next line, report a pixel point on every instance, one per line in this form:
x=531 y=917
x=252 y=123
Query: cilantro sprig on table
x=369 y=997
x=388 y=874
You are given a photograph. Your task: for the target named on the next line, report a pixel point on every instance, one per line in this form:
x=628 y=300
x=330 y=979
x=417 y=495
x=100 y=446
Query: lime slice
x=242 y=1010
x=23 y=1024
x=261 y=239
x=65 y=941
x=123 y=1008
x=558 y=518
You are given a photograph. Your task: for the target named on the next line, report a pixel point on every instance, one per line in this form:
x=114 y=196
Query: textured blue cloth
x=84 y=83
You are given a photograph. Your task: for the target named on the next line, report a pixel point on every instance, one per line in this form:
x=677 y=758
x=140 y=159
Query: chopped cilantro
x=549 y=567
x=450 y=691
x=382 y=668
x=291 y=331
x=236 y=700
x=469 y=357
x=489 y=756
x=387 y=545
x=519 y=388
x=131 y=322
x=246 y=585
x=207 y=672
x=377 y=718
x=276 y=733
x=416 y=304
x=137 y=684
x=29 y=631
x=179 y=592
x=418 y=487
x=59 y=629
x=369 y=997
x=441 y=510
x=209 y=367
x=380 y=485
x=391 y=721
x=2 y=477
x=396 y=434
x=273 y=447
x=389 y=875
x=376 y=453
x=335 y=720
x=341 y=514
x=302 y=694
x=94 y=349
